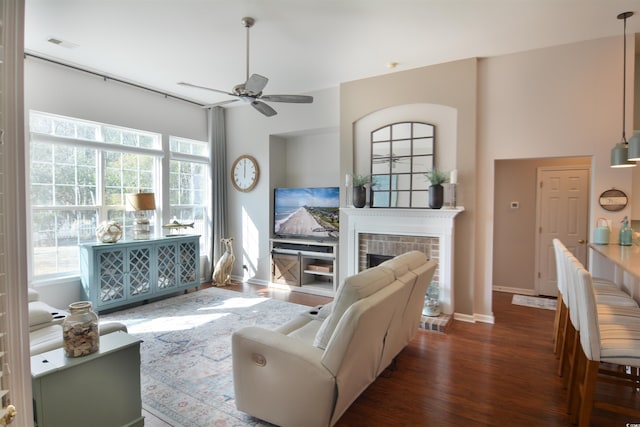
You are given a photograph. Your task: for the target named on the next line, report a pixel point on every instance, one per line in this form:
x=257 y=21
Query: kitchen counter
x=618 y=263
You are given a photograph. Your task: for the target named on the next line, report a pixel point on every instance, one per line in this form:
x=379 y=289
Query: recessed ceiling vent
x=62 y=43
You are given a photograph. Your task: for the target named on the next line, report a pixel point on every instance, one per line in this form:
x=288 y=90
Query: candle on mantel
x=347 y=180
x=453 y=179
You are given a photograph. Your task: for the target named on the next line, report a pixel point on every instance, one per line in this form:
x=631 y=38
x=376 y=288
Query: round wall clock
x=245 y=173
x=613 y=200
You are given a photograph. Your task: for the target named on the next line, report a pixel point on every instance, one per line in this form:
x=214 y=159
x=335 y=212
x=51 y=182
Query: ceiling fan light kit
x=251 y=90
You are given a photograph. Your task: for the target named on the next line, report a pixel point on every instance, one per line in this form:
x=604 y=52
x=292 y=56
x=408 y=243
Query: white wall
x=563 y=101
x=249 y=132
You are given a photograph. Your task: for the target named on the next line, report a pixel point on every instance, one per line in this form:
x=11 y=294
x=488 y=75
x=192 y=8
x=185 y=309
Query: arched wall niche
x=443 y=117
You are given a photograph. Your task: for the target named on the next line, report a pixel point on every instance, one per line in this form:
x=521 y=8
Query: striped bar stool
x=616 y=344
x=625 y=313
x=614 y=304
x=559 y=324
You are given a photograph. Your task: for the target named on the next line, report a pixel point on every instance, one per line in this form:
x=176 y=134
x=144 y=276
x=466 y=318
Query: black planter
x=359 y=196
x=436 y=196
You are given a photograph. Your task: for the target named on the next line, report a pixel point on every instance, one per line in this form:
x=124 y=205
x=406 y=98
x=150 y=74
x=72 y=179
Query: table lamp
x=140 y=203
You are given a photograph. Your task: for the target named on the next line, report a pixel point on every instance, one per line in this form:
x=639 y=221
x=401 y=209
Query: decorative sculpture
x=222 y=272
x=432 y=301
x=109 y=232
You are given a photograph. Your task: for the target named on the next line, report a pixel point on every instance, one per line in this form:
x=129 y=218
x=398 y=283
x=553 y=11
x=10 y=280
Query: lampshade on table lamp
x=140 y=203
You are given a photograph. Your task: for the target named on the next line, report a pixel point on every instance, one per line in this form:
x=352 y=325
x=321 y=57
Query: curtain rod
x=105 y=77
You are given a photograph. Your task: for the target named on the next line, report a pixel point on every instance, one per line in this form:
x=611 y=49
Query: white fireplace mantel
x=437 y=223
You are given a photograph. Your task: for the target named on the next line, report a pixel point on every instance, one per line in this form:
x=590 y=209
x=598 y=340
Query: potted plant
x=436 y=191
x=359 y=183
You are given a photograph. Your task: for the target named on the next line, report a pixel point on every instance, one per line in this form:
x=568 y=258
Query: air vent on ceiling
x=62 y=43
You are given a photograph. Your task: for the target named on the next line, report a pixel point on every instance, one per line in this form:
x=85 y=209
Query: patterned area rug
x=536 y=302
x=186 y=374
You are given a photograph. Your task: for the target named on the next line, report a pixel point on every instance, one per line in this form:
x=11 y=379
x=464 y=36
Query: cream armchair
x=310 y=370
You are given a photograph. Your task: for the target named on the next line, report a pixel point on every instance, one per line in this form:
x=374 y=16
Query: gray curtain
x=218 y=143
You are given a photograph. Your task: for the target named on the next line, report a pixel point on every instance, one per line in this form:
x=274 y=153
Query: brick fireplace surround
x=395 y=231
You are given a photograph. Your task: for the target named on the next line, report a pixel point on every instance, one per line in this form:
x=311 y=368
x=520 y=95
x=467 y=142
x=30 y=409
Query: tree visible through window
x=79 y=175
x=80 y=172
x=189 y=185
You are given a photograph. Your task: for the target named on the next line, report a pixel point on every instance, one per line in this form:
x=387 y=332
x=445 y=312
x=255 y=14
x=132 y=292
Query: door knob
x=581 y=241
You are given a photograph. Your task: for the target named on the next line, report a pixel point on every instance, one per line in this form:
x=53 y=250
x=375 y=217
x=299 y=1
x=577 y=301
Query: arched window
x=401 y=154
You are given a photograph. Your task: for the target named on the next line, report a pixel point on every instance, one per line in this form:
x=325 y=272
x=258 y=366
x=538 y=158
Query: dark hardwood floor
x=475 y=374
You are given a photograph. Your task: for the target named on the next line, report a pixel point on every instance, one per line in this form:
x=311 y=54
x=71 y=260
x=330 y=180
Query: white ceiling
x=301 y=45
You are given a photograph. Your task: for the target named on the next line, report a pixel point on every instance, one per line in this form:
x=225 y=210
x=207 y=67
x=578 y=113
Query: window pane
x=127 y=173
x=63 y=128
x=41 y=173
x=88 y=132
x=41 y=152
x=40 y=124
x=56 y=235
x=41 y=195
x=188 y=196
x=422 y=146
x=422 y=130
x=401 y=164
x=402 y=148
x=382 y=134
x=401 y=131
x=188 y=146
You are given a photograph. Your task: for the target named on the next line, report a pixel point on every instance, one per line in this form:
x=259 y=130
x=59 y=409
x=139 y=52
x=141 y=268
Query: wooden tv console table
x=305 y=265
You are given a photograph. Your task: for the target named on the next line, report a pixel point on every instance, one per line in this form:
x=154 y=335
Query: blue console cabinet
x=116 y=274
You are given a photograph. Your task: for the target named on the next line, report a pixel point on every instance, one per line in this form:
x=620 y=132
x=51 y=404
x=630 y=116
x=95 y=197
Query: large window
x=80 y=173
x=189 y=189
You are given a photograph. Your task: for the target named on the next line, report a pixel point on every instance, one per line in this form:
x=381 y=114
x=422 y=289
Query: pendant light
x=619 y=154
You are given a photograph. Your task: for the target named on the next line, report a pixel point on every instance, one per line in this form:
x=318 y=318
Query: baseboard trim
x=475 y=318
x=252 y=281
x=485 y=318
x=520 y=291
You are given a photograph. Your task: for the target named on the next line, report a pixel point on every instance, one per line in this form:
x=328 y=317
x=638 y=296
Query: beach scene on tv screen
x=307 y=212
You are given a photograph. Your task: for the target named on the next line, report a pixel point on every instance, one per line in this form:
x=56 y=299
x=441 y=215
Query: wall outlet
x=515 y=205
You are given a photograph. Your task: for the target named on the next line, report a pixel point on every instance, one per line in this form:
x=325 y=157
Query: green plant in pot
x=360 y=183
x=436 y=191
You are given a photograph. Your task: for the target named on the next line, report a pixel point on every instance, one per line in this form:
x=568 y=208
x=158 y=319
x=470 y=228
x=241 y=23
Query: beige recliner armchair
x=310 y=370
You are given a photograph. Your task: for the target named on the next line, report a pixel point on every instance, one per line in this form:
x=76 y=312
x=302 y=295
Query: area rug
x=536 y=302
x=186 y=375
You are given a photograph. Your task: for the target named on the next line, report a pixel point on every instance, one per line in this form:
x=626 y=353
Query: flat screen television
x=306 y=213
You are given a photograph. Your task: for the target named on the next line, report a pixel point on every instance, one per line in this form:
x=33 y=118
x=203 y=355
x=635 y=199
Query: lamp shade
x=141 y=202
x=634 y=147
x=619 y=156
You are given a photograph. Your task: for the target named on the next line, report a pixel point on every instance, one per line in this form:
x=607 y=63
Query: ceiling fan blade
x=264 y=108
x=255 y=84
x=297 y=99
x=206 y=88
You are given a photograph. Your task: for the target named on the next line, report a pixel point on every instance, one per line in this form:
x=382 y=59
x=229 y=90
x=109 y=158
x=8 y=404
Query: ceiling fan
x=251 y=90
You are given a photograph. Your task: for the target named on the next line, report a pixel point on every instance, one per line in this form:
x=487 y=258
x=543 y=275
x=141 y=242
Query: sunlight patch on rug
x=536 y=302
x=186 y=369
x=168 y=324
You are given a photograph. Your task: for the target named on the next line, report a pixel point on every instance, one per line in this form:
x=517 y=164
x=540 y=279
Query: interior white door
x=563 y=213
